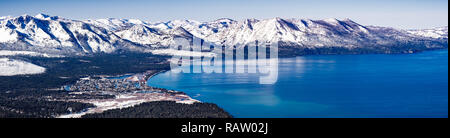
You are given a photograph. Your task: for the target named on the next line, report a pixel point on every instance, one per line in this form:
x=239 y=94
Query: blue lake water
x=397 y=85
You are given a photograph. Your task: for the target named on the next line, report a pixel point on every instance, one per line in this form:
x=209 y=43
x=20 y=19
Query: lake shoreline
x=124 y=100
x=406 y=65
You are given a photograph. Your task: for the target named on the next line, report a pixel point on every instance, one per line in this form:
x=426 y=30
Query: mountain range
x=57 y=35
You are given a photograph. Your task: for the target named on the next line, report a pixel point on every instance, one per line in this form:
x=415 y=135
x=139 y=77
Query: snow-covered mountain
x=153 y=36
x=52 y=33
x=113 y=24
x=303 y=33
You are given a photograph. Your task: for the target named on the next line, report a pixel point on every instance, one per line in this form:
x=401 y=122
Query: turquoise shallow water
x=398 y=85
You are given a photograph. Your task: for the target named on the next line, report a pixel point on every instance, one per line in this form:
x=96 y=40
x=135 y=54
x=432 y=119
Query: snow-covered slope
x=440 y=32
x=11 y=67
x=113 y=24
x=298 y=33
x=43 y=32
x=153 y=36
x=52 y=33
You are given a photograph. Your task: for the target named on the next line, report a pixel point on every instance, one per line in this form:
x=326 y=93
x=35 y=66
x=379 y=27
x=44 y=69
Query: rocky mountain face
x=53 y=34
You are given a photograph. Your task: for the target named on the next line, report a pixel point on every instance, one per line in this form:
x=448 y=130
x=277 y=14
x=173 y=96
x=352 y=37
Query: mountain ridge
x=54 y=34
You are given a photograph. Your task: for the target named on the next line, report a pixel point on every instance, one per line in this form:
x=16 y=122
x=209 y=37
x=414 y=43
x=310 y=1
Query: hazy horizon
x=402 y=14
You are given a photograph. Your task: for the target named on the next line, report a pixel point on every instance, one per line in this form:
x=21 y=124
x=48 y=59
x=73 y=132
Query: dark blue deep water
x=397 y=85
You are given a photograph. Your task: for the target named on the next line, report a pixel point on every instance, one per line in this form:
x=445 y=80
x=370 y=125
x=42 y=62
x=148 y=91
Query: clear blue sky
x=404 y=14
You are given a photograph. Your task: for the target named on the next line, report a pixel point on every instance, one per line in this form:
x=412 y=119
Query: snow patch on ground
x=11 y=67
x=129 y=100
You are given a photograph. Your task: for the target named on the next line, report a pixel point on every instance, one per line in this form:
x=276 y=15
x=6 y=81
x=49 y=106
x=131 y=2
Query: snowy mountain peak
x=250 y=21
x=51 y=33
x=41 y=16
x=226 y=20
x=114 y=24
x=46 y=17
x=142 y=29
x=60 y=35
x=333 y=21
x=136 y=21
x=348 y=20
x=25 y=15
